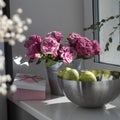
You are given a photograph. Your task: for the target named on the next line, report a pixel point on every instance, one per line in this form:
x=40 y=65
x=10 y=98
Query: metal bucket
x=54 y=81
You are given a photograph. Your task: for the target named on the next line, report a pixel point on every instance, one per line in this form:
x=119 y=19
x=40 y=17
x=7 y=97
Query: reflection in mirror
x=111 y=53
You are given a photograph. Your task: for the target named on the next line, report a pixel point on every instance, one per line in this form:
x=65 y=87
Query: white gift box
x=31 y=82
x=29 y=87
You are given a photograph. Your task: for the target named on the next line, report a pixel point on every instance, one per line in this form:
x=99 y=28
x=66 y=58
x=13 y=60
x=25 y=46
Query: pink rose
x=73 y=38
x=50 y=46
x=68 y=53
x=33 y=39
x=96 y=47
x=56 y=34
x=33 y=52
x=84 y=46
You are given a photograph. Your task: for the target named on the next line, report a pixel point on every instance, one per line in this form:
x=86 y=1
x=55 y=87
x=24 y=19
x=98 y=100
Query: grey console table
x=60 y=108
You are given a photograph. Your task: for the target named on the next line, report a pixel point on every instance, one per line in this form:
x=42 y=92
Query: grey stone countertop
x=60 y=108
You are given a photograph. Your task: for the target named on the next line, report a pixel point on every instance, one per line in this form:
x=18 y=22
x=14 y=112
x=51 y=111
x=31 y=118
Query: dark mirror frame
x=7 y=47
x=95 y=4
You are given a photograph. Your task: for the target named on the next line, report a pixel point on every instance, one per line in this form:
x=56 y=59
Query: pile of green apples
x=88 y=75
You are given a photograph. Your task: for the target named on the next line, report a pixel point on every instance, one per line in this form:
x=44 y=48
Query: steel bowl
x=93 y=94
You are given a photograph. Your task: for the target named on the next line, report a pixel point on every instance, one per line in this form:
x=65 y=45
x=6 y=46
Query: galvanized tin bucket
x=54 y=81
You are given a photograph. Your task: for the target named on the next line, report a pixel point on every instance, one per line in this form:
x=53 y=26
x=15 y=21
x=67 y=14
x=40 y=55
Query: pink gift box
x=24 y=94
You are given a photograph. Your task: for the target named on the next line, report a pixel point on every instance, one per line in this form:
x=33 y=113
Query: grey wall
x=47 y=15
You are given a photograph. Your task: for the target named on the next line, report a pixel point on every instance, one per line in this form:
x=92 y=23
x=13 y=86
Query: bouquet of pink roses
x=52 y=49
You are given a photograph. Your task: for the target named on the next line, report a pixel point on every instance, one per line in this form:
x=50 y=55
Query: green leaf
x=107 y=44
x=38 y=62
x=85 y=29
x=112 y=17
x=50 y=56
x=92 y=27
x=50 y=62
x=101 y=25
x=117 y=16
x=110 y=39
x=118 y=48
x=98 y=23
x=103 y=20
x=107 y=47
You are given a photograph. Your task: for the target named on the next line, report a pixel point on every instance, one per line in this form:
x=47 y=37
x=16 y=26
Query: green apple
x=61 y=72
x=71 y=74
x=107 y=73
x=116 y=74
x=87 y=76
x=97 y=73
